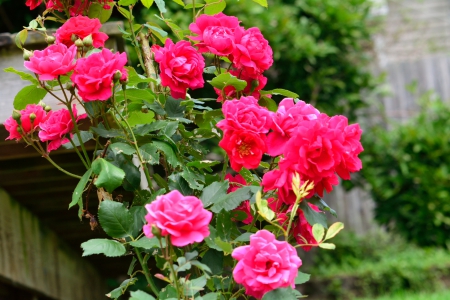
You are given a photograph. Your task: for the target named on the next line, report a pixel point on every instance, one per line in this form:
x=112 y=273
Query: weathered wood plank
x=33 y=256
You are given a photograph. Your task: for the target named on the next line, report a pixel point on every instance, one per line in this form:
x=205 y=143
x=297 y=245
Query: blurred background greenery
x=324 y=51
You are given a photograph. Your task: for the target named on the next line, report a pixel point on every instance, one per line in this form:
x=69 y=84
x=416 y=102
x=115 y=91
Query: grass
x=404 y=295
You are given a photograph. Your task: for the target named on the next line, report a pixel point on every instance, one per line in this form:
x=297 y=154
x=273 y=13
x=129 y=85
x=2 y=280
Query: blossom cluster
x=77 y=7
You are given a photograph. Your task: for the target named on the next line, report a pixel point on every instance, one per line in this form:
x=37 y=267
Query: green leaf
x=116 y=293
x=134 y=78
x=138 y=212
x=147 y=3
x=318 y=231
x=334 y=229
x=139 y=117
x=85 y=136
x=169 y=129
x=180 y=2
x=21 y=38
x=161 y=6
x=193 y=179
x=109 y=176
x=210 y=296
x=322 y=205
x=107 y=247
x=23 y=75
x=280 y=293
x=261 y=2
x=226 y=247
x=116 y=219
x=213 y=7
x=313 y=216
x=140 y=295
x=203 y=164
x=214 y=260
x=176 y=182
x=78 y=192
x=155 y=29
x=174 y=108
x=192 y=287
x=103 y=132
x=96 y=10
x=156 y=107
x=137 y=95
x=126 y=2
x=226 y=79
x=147 y=243
x=215 y=190
x=30 y=94
x=263 y=207
x=232 y=200
x=149 y=153
x=302 y=277
x=245 y=237
x=132 y=179
x=269 y=103
x=328 y=246
x=124 y=148
x=125 y=13
x=170 y=155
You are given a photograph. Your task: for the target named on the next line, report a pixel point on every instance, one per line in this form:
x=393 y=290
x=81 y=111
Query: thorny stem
x=135 y=144
x=148 y=60
x=146 y=272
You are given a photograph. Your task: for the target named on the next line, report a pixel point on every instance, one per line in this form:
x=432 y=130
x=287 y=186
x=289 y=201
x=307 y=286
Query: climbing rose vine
x=219 y=195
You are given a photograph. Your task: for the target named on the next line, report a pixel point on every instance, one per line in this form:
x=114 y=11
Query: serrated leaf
x=156 y=107
x=193 y=179
x=161 y=6
x=226 y=79
x=313 y=216
x=318 y=231
x=245 y=237
x=124 y=148
x=147 y=3
x=103 y=132
x=134 y=78
x=148 y=243
x=110 y=248
x=149 y=153
x=140 y=295
x=23 y=75
x=328 y=246
x=203 y=164
x=169 y=129
x=176 y=182
x=30 y=94
x=116 y=219
x=213 y=7
x=78 y=192
x=139 y=117
x=261 y=2
x=192 y=287
x=117 y=292
x=215 y=190
x=334 y=229
x=302 y=277
x=232 y=200
x=21 y=38
x=109 y=176
x=170 y=155
x=174 y=108
x=280 y=293
x=85 y=136
x=268 y=103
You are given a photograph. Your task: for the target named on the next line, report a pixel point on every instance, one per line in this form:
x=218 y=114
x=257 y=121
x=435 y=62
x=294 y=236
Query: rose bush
x=211 y=227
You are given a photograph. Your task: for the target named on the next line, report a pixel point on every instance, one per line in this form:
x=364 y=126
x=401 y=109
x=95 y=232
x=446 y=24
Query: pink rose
x=57 y=126
x=266 y=264
x=215 y=34
x=245 y=114
x=254 y=85
x=93 y=75
x=287 y=118
x=245 y=148
x=245 y=205
x=183 y=218
x=252 y=51
x=81 y=27
x=53 y=61
x=33 y=3
x=11 y=124
x=181 y=67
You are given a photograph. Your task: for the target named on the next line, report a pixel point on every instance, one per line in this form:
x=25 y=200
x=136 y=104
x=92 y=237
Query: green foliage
x=375 y=264
x=109 y=248
x=407 y=169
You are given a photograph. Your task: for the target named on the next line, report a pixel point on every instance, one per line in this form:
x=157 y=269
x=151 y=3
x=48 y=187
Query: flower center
x=244 y=150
